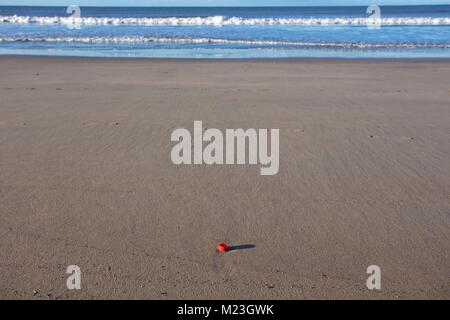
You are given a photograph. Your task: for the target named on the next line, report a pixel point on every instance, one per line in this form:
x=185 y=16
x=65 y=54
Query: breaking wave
x=223 y=21
x=145 y=39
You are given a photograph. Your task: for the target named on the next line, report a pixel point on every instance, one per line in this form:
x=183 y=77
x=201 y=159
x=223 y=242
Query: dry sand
x=86 y=179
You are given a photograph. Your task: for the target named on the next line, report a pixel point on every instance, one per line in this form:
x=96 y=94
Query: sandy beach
x=86 y=179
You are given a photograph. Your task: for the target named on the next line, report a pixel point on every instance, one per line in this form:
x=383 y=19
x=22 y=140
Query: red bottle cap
x=223 y=247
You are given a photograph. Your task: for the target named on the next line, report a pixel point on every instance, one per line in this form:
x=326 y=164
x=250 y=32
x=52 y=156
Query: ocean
x=211 y=32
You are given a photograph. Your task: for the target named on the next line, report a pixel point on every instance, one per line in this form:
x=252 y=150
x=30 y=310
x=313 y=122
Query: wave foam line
x=143 y=39
x=221 y=20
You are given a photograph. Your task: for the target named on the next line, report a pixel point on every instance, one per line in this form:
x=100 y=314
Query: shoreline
x=301 y=59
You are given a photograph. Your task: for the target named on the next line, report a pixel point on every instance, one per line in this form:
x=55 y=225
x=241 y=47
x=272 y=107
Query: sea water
x=257 y=32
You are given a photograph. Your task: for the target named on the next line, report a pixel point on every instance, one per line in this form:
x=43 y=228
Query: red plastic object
x=223 y=247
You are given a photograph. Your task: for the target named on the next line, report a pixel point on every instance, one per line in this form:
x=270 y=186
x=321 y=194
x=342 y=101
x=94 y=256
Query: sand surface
x=86 y=179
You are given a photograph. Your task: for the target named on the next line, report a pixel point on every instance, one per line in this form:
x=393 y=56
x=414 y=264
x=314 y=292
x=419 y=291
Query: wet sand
x=86 y=179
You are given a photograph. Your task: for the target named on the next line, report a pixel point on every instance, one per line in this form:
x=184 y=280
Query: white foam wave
x=223 y=21
x=145 y=39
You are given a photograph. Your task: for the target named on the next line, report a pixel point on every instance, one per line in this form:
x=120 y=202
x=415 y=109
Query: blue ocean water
x=351 y=32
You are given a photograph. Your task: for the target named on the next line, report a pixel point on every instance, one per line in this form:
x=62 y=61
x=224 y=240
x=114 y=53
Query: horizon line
x=264 y=6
